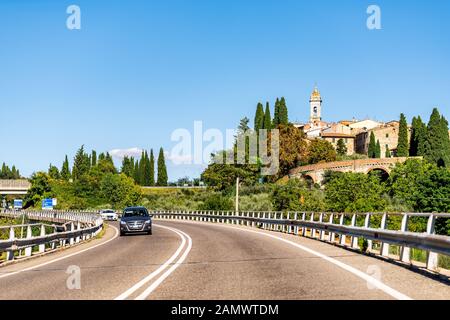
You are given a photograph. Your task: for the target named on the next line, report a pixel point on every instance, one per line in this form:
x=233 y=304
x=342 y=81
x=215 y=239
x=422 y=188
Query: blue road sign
x=18 y=203
x=47 y=204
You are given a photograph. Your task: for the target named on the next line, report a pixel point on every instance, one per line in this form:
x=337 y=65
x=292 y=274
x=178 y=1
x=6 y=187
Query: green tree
x=65 y=170
x=259 y=117
x=283 y=112
x=418 y=137
x=341 y=148
x=437 y=146
x=162 y=170
x=378 y=150
x=81 y=164
x=93 y=158
x=267 y=118
x=296 y=195
x=293 y=149
x=372 y=146
x=53 y=172
x=40 y=189
x=402 y=145
x=152 y=168
x=276 y=114
x=120 y=190
x=127 y=166
x=354 y=192
x=387 y=153
x=221 y=176
x=321 y=151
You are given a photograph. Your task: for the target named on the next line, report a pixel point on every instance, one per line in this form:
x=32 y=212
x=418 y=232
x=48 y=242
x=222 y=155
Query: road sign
x=47 y=204
x=18 y=203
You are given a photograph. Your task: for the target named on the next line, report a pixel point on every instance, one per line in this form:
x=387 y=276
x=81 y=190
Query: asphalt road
x=187 y=260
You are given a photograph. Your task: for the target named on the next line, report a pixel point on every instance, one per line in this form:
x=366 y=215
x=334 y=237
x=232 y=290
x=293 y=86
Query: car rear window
x=135 y=213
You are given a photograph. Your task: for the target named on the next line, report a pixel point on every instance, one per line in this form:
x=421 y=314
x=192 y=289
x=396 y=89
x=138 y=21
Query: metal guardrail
x=69 y=228
x=321 y=226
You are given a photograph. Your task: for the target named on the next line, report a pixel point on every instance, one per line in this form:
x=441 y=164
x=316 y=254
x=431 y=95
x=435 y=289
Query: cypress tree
x=388 y=153
x=437 y=146
x=81 y=164
x=402 y=145
x=152 y=168
x=341 y=148
x=372 y=146
x=136 y=172
x=162 y=170
x=259 y=117
x=65 y=170
x=378 y=150
x=146 y=169
x=283 y=112
x=276 y=114
x=267 y=118
x=94 y=158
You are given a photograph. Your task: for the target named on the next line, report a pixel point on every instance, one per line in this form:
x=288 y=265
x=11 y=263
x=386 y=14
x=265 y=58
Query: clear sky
x=138 y=70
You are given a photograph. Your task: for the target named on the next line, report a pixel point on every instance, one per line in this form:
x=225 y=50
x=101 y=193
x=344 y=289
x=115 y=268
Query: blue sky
x=138 y=70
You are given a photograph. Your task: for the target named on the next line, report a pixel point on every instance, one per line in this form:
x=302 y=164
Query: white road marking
x=116 y=234
x=144 y=295
x=374 y=282
x=152 y=275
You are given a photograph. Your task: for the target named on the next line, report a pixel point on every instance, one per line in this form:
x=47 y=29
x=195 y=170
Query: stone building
x=387 y=134
x=354 y=133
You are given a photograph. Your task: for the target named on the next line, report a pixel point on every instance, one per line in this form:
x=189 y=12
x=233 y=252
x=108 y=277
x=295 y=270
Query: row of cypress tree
x=9 y=173
x=143 y=170
x=430 y=141
x=263 y=118
x=82 y=164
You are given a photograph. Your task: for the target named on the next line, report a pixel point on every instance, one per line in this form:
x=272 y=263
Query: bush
x=120 y=190
x=217 y=202
x=296 y=196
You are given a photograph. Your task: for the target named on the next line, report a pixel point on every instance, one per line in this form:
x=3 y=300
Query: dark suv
x=135 y=220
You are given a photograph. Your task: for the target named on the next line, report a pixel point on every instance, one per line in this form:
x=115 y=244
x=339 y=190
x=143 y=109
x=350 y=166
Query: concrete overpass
x=316 y=172
x=14 y=187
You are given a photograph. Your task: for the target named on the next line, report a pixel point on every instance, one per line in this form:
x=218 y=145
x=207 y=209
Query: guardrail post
x=384 y=246
x=72 y=239
x=77 y=239
x=322 y=232
x=304 y=228
x=341 y=236
x=354 y=239
x=296 y=226
x=313 y=231
x=42 y=246
x=12 y=236
x=405 y=252
x=367 y=225
x=331 y=235
x=432 y=257
x=28 y=250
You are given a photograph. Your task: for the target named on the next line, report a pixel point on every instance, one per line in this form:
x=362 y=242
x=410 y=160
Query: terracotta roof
x=336 y=135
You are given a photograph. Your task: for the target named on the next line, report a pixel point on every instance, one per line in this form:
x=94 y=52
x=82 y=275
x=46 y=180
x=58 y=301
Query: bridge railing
x=344 y=229
x=67 y=228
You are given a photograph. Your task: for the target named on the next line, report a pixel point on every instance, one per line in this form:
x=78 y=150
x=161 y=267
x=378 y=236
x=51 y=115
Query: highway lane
x=229 y=262
x=106 y=271
x=225 y=262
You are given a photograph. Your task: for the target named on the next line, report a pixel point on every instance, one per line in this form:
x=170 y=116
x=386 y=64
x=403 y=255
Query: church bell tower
x=315 y=103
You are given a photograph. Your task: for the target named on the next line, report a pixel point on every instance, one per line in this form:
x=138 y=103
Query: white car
x=109 y=215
